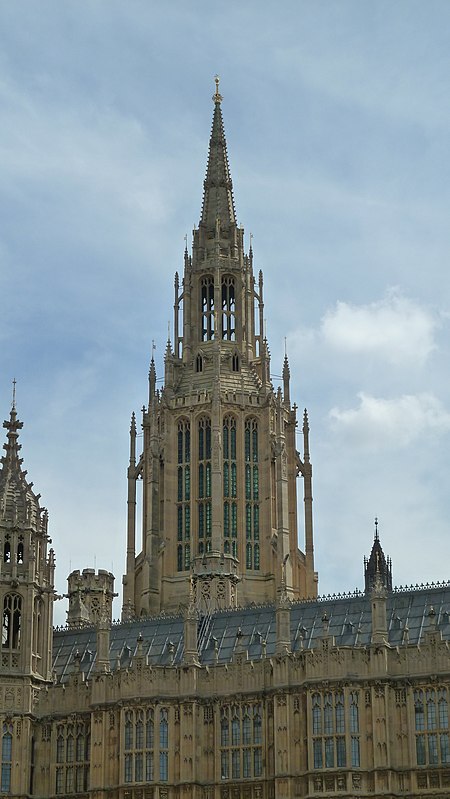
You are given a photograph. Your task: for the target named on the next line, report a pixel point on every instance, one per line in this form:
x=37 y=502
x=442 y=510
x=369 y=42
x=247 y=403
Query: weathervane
x=217 y=97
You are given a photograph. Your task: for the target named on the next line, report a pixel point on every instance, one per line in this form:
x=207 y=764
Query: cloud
x=395 y=329
x=390 y=423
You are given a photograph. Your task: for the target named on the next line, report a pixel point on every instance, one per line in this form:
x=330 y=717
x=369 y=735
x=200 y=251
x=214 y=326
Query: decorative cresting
x=219 y=462
x=27 y=571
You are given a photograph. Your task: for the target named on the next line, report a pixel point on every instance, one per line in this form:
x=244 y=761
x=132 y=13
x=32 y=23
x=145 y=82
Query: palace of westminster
x=227 y=676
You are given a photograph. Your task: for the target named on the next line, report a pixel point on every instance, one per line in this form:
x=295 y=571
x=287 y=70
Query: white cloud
x=395 y=329
x=390 y=423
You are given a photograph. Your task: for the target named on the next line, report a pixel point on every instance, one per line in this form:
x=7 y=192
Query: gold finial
x=217 y=97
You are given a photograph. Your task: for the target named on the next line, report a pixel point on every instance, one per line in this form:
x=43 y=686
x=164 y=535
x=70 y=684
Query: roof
x=253 y=629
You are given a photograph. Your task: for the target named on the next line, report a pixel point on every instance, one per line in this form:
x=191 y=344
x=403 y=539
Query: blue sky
x=337 y=118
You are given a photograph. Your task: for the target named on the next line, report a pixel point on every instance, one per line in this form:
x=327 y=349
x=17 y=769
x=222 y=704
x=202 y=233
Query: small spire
x=152 y=376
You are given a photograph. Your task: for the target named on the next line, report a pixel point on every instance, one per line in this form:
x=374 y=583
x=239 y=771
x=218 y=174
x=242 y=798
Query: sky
x=337 y=119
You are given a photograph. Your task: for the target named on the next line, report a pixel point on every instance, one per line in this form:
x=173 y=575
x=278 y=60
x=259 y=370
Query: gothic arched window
x=204 y=485
x=228 y=309
x=252 y=550
x=6 y=758
x=207 y=308
x=229 y=486
x=11 y=621
x=184 y=496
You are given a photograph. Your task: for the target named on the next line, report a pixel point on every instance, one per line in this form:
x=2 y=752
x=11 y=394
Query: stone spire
x=218 y=201
x=17 y=500
x=377 y=566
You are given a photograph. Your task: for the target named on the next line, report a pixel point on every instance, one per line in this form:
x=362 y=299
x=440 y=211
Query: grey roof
x=253 y=630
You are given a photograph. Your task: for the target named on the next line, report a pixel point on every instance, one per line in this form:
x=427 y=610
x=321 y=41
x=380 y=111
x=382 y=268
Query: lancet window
x=241 y=741
x=7 y=549
x=335 y=728
x=6 y=761
x=11 y=621
x=431 y=725
x=184 y=496
x=252 y=548
x=228 y=309
x=73 y=752
x=145 y=745
x=204 y=486
x=229 y=486
x=207 y=308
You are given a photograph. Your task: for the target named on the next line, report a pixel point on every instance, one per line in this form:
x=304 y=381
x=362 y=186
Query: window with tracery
x=229 y=486
x=241 y=741
x=335 y=729
x=204 y=486
x=73 y=754
x=252 y=549
x=228 y=309
x=207 y=309
x=11 y=621
x=184 y=496
x=146 y=745
x=6 y=761
x=431 y=725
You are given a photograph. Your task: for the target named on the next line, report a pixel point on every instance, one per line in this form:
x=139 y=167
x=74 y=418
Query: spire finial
x=14 y=383
x=217 y=97
x=376 y=529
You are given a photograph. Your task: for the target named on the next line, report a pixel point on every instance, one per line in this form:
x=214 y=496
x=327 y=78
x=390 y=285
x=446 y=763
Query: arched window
x=7 y=550
x=252 y=550
x=228 y=309
x=11 y=621
x=6 y=763
x=199 y=364
x=207 y=308
x=204 y=486
x=20 y=550
x=184 y=496
x=163 y=745
x=229 y=486
x=235 y=362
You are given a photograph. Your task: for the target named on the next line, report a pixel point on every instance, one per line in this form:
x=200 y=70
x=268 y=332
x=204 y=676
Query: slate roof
x=349 y=619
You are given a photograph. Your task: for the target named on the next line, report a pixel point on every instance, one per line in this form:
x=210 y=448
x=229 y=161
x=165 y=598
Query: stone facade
x=227 y=678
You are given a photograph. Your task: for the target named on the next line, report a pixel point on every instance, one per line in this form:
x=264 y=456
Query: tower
x=26 y=598
x=219 y=463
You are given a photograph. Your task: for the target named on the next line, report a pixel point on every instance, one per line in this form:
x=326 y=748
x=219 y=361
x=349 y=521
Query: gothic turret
x=26 y=574
x=219 y=462
x=377 y=567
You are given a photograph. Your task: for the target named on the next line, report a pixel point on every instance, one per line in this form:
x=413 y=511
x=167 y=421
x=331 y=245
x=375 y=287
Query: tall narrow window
x=431 y=724
x=228 y=309
x=11 y=621
x=252 y=550
x=163 y=745
x=204 y=486
x=229 y=486
x=184 y=496
x=6 y=758
x=207 y=308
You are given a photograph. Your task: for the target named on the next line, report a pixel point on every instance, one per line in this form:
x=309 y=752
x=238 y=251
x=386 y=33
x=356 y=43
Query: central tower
x=219 y=463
